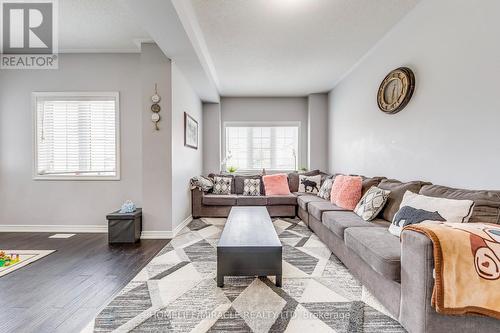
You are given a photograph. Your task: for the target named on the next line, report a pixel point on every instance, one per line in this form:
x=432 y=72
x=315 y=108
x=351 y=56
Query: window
x=254 y=147
x=76 y=136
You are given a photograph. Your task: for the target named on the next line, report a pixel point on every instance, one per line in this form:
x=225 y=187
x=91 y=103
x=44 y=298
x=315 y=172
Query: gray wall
x=211 y=138
x=268 y=109
x=186 y=162
x=318 y=131
x=153 y=163
x=448 y=133
x=156 y=145
x=24 y=201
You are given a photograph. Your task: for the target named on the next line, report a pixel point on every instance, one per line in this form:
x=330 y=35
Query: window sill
x=77 y=178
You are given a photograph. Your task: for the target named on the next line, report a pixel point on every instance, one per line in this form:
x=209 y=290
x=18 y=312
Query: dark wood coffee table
x=249 y=245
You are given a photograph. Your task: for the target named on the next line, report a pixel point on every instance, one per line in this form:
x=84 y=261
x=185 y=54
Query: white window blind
x=258 y=147
x=77 y=135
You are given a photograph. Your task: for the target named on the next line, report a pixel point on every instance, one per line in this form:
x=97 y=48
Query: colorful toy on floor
x=8 y=259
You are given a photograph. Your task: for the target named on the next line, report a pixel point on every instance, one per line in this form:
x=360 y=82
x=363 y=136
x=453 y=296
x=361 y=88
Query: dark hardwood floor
x=65 y=290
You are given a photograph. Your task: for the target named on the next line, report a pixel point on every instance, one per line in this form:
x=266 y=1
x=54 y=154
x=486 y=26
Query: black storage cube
x=124 y=227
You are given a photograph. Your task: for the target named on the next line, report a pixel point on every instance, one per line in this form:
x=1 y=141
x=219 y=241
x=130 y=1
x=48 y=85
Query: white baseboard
x=166 y=234
x=156 y=235
x=55 y=228
x=92 y=229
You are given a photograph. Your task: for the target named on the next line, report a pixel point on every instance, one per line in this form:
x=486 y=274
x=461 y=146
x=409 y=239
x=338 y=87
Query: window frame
x=75 y=94
x=297 y=124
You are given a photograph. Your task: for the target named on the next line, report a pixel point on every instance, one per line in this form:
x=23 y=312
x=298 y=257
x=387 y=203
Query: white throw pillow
x=309 y=184
x=454 y=211
x=222 y=185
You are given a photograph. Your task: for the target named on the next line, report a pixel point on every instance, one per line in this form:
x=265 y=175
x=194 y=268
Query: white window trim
x=262 y=124
x=36 y=95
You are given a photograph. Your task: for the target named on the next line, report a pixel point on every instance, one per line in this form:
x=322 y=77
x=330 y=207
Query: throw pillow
x=371 y=203
x=452 y=210
x=409 y=215
x=222 y=185
x=251 y=187
x=325 y=189
x=346 y=191
x=398 y=189
x=276 y=184
x=293 y=179
x=203 y=184
x=309 y=184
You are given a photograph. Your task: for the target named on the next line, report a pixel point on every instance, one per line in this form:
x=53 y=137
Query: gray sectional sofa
x=213 y=205
x=398 y=272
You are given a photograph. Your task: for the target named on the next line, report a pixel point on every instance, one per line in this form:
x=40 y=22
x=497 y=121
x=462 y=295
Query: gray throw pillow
x=372 y=203
x=251 y=187
x=326 y=189
x=222 y=185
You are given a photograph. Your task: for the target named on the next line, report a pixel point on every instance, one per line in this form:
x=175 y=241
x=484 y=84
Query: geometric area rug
x=177 y=291
x=20 y=258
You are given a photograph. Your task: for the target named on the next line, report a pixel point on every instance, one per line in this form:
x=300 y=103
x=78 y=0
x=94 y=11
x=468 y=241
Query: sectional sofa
x=398 y=272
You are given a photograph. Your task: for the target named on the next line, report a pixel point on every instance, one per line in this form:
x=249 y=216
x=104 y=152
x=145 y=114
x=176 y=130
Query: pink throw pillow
x=346 y=191
x=338 y=182
x=276 y=184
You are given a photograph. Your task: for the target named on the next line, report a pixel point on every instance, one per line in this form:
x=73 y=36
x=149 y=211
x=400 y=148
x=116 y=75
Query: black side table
x=124 y=227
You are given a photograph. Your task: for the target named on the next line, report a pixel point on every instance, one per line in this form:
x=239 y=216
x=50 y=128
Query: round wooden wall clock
x=396 y=90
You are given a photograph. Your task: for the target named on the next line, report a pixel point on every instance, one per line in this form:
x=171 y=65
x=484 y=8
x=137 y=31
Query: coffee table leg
x=220 y=280
x=278 y=280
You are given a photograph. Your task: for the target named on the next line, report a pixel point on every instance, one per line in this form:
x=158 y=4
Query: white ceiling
x=98 y=26
x=238 y=47
x=291 y=47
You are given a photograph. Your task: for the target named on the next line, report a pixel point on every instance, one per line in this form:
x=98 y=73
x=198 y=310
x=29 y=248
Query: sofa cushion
x=369 y=182
x=300 y=193
x=219 y=199
x=317 y=208
x=304 y=200
x=339 y=221
x=378 y=248
x=246 y=200
x=486 y=203
x=275 y=200
x=398 y=189
x=239 y=183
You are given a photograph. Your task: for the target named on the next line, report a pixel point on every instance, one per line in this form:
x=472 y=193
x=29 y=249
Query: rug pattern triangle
x=177 y=291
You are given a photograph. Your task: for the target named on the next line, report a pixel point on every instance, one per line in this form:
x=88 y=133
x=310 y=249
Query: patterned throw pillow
x=372 y=203
x=325 y=189
x=222 y=185
x=251 y=187
x=309 y=184
x=416 y=208
x=201 y=183
x=408 y=215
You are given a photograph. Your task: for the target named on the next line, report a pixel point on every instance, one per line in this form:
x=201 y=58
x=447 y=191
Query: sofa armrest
x=417 y=281
x=196 y=202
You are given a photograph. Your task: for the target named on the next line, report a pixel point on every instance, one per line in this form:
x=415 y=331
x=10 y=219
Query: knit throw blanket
x=467 y=266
